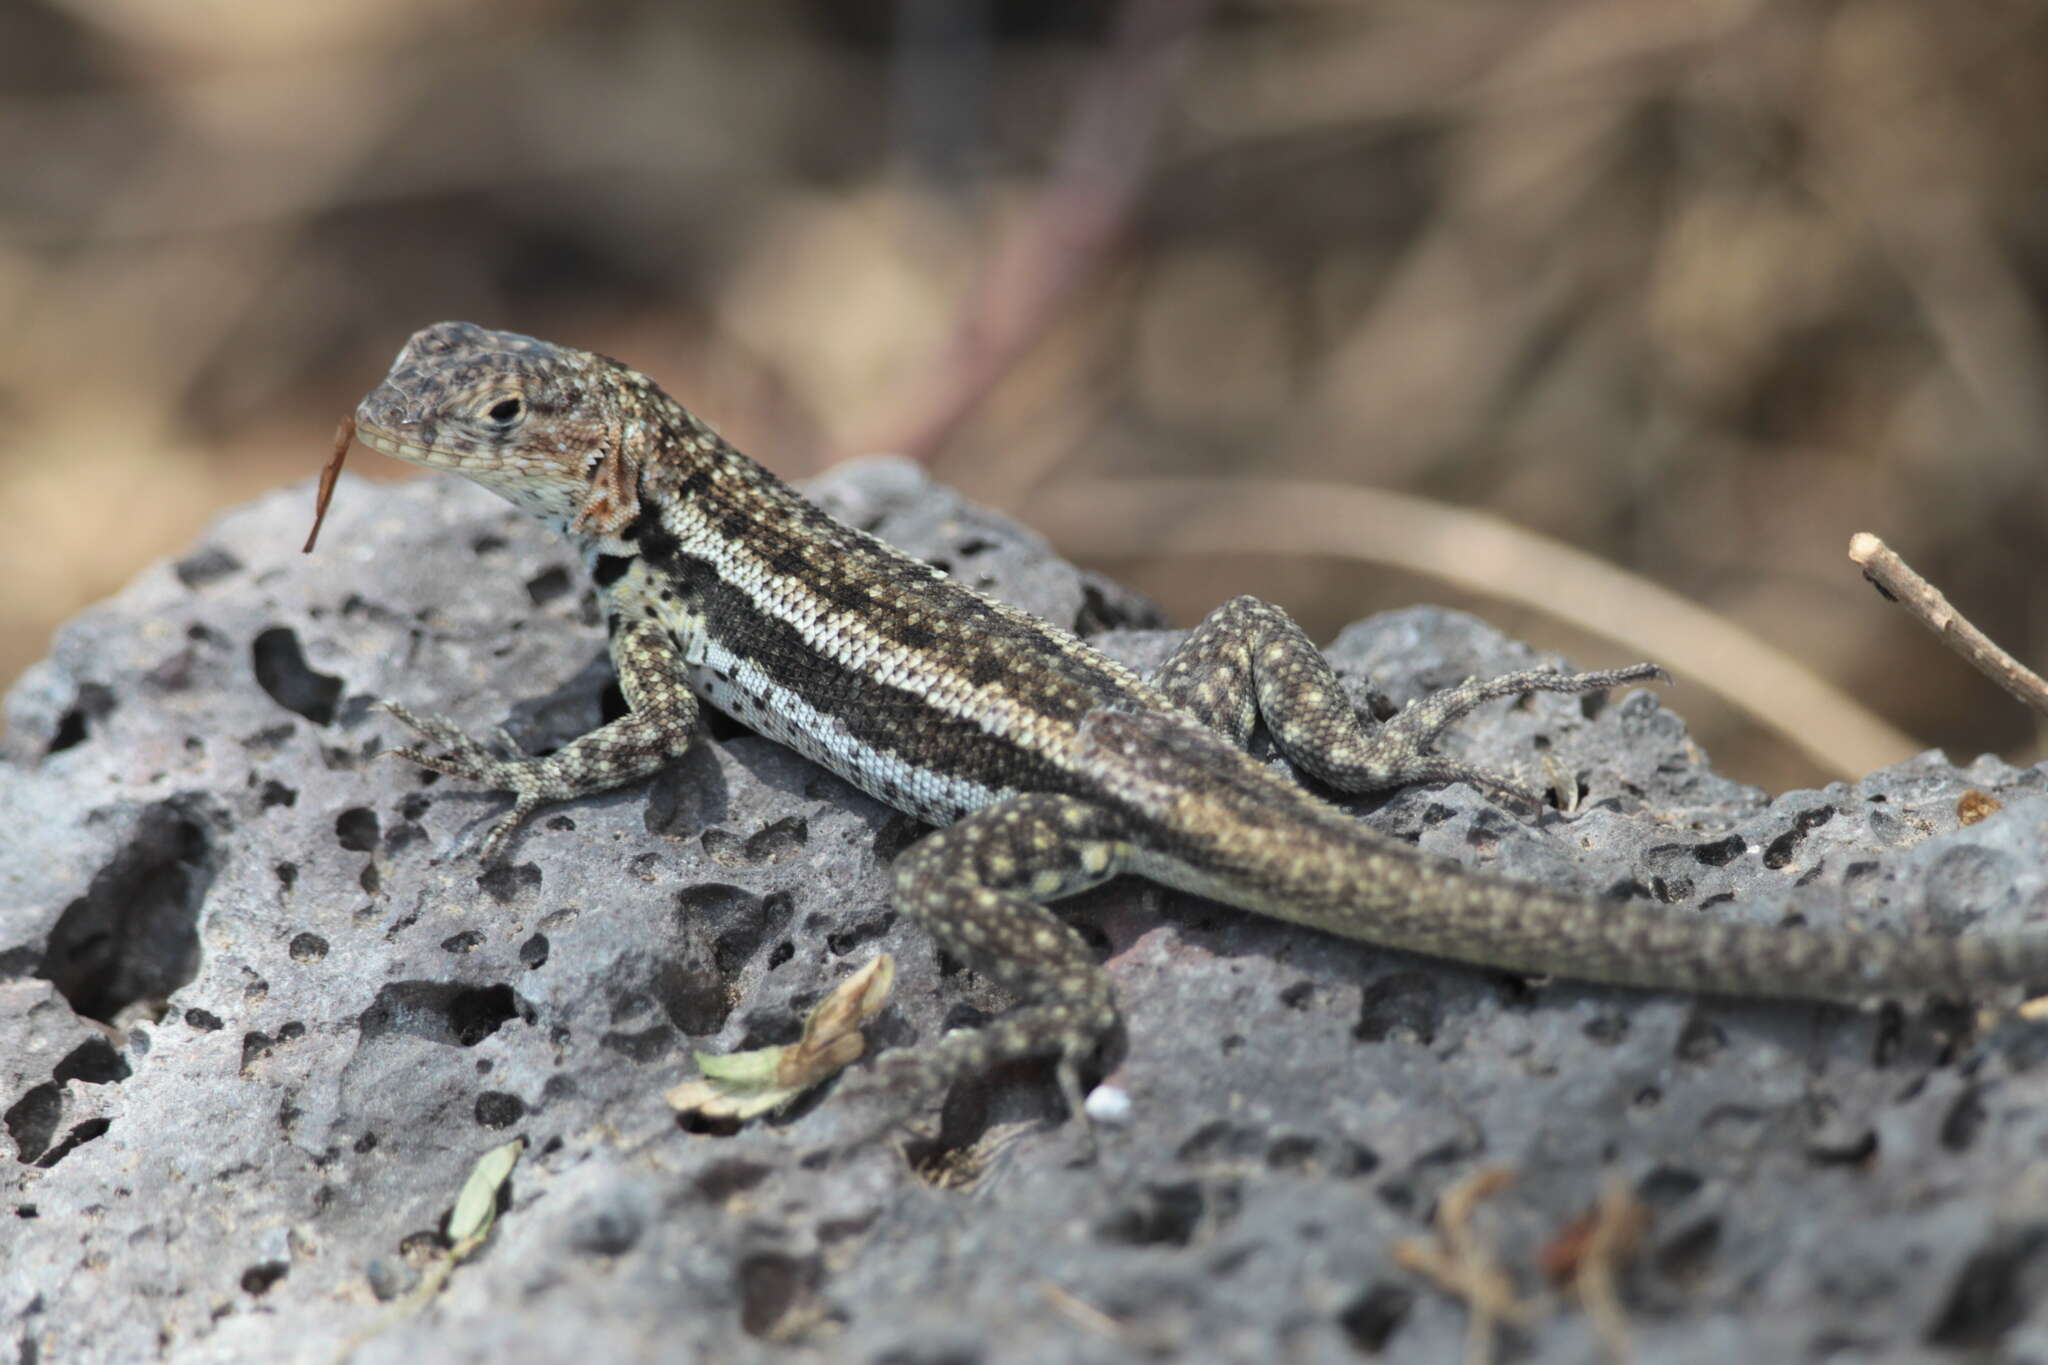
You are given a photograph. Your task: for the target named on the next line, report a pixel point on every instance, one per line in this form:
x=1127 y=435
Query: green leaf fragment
x=744 y=1085
x=477 y=1206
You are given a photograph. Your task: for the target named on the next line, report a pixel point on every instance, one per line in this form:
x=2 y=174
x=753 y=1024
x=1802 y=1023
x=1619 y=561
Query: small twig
x=1066 y=233
x=1461 y=1262
x=1587 y=1254
x=1618 y=1229
x=1081 y=1313
x=1895 y=578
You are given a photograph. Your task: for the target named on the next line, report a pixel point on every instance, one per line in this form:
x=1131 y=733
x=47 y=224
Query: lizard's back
x=928 y=694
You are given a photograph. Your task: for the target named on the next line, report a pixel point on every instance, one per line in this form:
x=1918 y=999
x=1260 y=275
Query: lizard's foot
x=916 y=1078
x=901 y=1093
x=1400 y=746
x=530 y=780
x=1249 y=661
x=976 y=887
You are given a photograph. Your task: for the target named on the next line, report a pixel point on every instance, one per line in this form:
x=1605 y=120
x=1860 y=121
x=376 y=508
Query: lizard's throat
x=533 y=485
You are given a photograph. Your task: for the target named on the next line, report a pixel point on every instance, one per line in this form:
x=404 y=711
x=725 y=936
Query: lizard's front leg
x=1249 y=660
x=657 y=728
x=977 y=887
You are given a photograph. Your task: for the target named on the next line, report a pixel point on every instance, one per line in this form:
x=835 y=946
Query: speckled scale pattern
x=977 y=888
x=1054 y=767
x=658 y=727
x=1248 y=661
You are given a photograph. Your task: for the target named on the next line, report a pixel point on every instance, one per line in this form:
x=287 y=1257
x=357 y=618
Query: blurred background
x=1699 y=287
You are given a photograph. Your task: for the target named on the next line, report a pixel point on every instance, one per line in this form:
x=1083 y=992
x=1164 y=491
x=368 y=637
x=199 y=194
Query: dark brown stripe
x=957 y=629
x=889 y=720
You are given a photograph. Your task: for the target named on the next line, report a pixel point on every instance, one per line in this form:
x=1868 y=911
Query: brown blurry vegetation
x=1701 y=288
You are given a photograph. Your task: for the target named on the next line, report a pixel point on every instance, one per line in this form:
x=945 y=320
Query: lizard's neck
x=717 y=504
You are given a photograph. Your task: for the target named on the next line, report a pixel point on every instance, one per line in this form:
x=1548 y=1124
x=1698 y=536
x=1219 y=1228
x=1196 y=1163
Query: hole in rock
x=93 y=703
x=134 y=934
x=442 y=1012
x=294 y=684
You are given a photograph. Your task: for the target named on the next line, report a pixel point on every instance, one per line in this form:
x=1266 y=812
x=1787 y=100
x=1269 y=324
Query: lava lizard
x=1048 y=767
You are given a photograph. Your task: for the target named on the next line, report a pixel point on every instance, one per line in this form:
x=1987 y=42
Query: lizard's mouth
x=534 y=481
x=411 y=443
x=385 y=442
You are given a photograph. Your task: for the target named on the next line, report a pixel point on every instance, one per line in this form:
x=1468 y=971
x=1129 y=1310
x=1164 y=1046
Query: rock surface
x=259 y=1014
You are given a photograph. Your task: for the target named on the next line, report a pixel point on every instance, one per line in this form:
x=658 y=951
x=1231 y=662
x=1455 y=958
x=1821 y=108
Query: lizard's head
x=557 y=431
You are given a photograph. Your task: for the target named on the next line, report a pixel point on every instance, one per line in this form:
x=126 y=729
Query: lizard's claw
x=464 y=757
x=1418 y=726
x=1407 y=737
x=467 y=759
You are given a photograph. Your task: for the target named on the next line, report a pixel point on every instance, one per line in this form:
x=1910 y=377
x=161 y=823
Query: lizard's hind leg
x=1249 y=661
x=977 y=887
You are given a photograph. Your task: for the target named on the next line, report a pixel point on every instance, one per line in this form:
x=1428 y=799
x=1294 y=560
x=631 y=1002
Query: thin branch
x=1462 y=1262
x=1614 y=1233
x=1925 y=603
x=1482 y=554
x=1066 y=233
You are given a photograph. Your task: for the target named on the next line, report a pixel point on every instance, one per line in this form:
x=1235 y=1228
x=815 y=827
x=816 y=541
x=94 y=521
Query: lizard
x=1045 y=766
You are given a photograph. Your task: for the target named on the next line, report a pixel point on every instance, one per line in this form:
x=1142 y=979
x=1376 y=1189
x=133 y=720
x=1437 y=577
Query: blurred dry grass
x=1701 y=287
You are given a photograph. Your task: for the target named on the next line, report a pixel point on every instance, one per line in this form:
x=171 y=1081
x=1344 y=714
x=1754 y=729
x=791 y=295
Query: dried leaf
x=745 y=1085
x=1587 y=1254
x=477 y=1206
x=344 y=433
x=1973 y=806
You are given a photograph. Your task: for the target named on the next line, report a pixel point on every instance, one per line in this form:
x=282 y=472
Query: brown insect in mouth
x=344 y=433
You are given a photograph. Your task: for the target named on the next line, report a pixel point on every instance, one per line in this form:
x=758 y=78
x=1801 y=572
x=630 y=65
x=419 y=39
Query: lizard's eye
x=505 y=410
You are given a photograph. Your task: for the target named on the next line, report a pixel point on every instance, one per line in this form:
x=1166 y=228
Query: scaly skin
x=1050 y=767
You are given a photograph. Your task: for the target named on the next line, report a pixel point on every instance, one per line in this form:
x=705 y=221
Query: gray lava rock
x=263 y=1013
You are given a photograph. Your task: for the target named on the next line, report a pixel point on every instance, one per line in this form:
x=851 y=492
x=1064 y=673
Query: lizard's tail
x=1370 y=889
x=1496 y=922
x=1223 y=826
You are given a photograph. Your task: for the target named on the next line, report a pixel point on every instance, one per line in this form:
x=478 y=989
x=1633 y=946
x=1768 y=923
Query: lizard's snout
x=386 y=407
